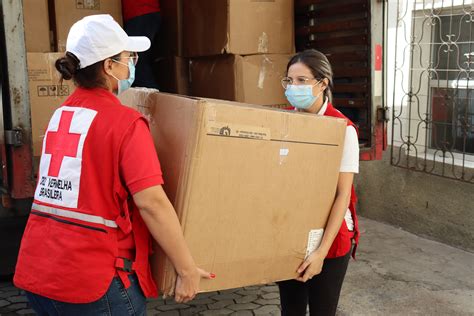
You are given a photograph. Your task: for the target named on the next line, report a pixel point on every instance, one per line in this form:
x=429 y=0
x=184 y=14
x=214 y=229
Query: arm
x=314 y=263
x=143 y=178
x=163 y=224
x=338 y=210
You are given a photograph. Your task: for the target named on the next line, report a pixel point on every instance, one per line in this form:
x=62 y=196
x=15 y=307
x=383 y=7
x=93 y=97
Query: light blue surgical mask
x=301 y=96
x=125 y=84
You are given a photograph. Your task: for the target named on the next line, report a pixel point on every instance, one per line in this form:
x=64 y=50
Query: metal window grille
x=433 y=87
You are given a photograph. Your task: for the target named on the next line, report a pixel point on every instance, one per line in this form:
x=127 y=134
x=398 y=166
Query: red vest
x=343 y=241
x=69 y=250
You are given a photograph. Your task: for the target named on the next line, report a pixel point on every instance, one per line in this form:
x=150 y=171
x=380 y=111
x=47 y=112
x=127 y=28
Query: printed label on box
x=38 y=74
x=240 y=131
x=88 y=4
x=53 y=90
x=314 y=240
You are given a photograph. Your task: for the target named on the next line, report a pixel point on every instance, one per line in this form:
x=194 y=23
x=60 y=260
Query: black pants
x=321 y=292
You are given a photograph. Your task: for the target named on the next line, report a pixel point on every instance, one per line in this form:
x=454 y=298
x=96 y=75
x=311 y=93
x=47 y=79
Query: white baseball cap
x=97 y=37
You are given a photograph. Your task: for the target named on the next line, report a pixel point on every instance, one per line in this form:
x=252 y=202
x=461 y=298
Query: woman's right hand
x=187 y=286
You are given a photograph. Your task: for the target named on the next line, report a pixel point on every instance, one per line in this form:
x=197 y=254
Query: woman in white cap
x=99 y=196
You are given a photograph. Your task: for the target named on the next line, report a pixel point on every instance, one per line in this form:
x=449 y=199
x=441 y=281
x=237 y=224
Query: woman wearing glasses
x=99 y=196
x=308 y=89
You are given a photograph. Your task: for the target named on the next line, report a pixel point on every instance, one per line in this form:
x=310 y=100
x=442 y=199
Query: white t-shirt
x=350 y=158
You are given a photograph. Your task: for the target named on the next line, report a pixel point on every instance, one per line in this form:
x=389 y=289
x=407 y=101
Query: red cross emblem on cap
x=61 y=144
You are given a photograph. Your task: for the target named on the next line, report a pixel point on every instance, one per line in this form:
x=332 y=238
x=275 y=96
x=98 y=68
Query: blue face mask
x=301 y=96
x=125 y=84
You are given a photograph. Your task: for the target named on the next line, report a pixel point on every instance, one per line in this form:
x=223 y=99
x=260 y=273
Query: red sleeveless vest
x=343 y=241
x=69 y=250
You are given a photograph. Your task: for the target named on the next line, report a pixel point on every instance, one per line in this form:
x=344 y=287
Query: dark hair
x=319 y=65
x=87 y=77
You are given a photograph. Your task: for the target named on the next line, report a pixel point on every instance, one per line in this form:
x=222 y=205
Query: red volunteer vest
x=343 y=241
x=69 y=250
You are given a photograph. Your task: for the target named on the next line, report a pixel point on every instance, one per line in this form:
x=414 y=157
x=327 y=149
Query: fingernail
x=212 y=275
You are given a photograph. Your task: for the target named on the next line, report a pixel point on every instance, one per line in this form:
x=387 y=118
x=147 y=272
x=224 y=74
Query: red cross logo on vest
x=61 y=144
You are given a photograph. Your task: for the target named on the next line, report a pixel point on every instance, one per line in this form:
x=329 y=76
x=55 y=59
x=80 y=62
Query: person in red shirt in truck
x=143 y=18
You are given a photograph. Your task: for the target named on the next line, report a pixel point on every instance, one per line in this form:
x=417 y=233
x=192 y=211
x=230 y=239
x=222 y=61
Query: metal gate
x=430 y=86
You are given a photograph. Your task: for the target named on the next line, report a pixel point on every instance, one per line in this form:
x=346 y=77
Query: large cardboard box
x=36 y=23
x=172 y=74
x=252 y=186
x=241 y=27
x=46 y=93
x=68 y=12
x=254 y=79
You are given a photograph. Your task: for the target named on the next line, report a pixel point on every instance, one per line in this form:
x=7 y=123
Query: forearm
x=165 y=228
x=334 y=223
x=313 y=264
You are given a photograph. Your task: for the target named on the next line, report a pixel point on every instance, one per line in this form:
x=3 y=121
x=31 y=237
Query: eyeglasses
x=133 y=56
x=287 y=81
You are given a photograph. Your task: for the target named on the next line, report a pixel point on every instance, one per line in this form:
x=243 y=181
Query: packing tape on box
x=263 y=43
x=143 y=104
x=266 y=64
x=284 y=131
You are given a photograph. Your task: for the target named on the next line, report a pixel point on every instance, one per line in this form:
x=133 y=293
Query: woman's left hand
x=311 y=266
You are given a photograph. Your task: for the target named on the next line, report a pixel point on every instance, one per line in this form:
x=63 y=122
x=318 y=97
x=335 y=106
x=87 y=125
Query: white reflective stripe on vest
x=75 y=215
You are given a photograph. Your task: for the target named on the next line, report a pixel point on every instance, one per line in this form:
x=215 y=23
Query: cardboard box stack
x=67 y=12
x=37 y=31
x=46 y=93
x=252 y=186
x=247 y=45
x=229 y=49
x=254 y=79
x=47 y=25
x=242 y=27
